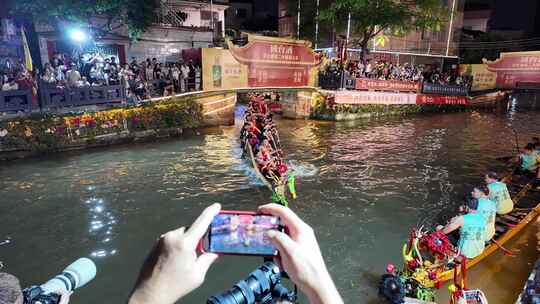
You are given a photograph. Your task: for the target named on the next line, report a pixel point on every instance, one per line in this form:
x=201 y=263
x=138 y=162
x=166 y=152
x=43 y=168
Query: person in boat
x=528 y=161
x=472 y=230
x=498 y=192
x=487 y=208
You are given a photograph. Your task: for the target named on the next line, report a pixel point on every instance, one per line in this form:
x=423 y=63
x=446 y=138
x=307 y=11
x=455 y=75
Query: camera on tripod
x=262 y=286
x=76 y=275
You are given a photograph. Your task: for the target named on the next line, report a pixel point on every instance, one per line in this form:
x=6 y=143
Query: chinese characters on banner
x=424 y=99
x=516 y=69
x=386 y=85
x=364 y=97
x=277 y=62
x=483 y=79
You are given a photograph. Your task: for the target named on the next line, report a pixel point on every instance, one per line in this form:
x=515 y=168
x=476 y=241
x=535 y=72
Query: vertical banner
x=221 y=71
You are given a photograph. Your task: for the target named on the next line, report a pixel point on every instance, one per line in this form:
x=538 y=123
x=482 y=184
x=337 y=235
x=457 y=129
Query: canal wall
x=88 y=127
x=353 y=105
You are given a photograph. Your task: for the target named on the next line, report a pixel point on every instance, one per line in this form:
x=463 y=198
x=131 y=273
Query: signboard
x=275 y=62
x=482 y=78
x=423 y=99
x=221 y=71
x=435 y=88
x=365 y=97
x=386 y=85
x=515 y=68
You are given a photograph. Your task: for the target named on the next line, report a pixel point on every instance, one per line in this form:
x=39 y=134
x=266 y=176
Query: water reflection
x=101 y=225
x=361 y=185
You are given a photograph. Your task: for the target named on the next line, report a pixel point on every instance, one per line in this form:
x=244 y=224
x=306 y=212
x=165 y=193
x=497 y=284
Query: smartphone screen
x=242 y=234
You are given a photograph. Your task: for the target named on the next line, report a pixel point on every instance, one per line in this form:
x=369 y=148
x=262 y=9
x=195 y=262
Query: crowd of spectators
x=141 y=79
x=385 y=70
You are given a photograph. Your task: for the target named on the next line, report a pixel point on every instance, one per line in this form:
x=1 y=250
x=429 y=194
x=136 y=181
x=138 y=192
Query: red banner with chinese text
x=276 y=61
x=386 y=85
x=425 y=99
x=517 y=68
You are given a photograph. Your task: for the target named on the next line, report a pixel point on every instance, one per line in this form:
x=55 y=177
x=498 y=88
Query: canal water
x=362 y=186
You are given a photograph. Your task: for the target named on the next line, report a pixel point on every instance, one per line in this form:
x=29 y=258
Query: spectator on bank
x=183 y=77
x=175 y=74
x=83 y=82
x=10 y=85
x=191 y=76
x=48 y=74
x=73 y=76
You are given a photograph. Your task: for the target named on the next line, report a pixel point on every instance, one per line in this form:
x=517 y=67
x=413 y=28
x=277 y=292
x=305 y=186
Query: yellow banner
x=221 y=71
x=27 y=57
x=482 y=78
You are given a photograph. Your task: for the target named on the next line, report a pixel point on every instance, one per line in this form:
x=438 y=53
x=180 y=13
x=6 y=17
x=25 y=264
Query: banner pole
x=317 y=26
x=298 y=22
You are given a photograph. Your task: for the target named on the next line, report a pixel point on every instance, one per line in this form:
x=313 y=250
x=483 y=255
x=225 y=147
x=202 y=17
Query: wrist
x=323 y=291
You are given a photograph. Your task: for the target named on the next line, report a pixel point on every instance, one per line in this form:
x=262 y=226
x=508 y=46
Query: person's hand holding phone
x=173 y=269
x=301 y=256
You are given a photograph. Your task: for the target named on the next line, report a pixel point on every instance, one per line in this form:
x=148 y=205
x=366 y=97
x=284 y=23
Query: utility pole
x=212 y=17
x=298 y=21
x=450 y=27
x=317 y=26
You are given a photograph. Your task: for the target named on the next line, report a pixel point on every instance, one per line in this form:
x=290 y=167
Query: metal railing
x=57 y=97
x=16 y=101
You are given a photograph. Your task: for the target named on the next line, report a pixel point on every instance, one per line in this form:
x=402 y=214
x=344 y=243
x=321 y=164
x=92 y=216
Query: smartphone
x=241 y=233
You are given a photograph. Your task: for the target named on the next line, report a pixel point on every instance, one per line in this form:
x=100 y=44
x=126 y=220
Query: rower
x=472 y=230
x=498 y=192
x=487 y=208
x=528 y=160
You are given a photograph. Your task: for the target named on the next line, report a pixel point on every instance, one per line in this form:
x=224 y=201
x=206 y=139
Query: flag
x=27 y=56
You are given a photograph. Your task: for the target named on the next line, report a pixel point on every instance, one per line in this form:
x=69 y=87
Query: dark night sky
x=511 y=14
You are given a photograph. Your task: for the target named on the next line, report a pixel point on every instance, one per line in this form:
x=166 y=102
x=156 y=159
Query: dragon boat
x=430 y=259
x=276 y=182
x=431 y=256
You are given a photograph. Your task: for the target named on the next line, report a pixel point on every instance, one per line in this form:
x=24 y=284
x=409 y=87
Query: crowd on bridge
x=141 y=79
x=387 y=70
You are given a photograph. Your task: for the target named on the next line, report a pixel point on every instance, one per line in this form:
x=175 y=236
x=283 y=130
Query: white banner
x=363 y=97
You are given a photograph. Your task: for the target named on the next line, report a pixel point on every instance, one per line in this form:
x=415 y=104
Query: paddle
x=505 y=251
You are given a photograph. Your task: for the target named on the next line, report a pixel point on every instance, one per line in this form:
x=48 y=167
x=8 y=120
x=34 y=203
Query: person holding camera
x=11 y=293
x=173 y=269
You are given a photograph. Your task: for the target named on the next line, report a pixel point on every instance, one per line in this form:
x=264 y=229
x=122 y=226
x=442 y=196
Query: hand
x=172 y=270
x=64 y=297
x=301 y=257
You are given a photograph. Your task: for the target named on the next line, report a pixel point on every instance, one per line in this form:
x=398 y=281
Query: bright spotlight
x=78 y=35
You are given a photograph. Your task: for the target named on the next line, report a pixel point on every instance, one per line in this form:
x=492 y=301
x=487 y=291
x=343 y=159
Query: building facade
x=165 y=40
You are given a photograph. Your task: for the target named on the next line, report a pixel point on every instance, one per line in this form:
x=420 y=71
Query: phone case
x=200 y=246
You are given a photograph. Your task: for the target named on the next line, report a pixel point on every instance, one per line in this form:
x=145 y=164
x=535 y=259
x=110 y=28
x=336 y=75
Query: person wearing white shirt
x=11 y=85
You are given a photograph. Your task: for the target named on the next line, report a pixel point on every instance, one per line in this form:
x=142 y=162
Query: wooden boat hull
x=256 y=167
x=503 y=238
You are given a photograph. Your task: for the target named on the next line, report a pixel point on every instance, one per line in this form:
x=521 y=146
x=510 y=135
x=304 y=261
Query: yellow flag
x=27 y=56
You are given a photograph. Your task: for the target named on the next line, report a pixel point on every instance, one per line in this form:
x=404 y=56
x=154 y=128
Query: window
x=241 y=13
x=205 y=15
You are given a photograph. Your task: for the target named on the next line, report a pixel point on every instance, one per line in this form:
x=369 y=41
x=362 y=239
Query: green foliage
x=371 y=17
x=137 y=15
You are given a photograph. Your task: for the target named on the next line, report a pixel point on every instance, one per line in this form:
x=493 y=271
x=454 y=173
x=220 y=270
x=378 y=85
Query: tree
x=372 y=17
x=100 y=16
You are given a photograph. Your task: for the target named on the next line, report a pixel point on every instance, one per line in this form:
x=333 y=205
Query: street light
x=78 y=35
